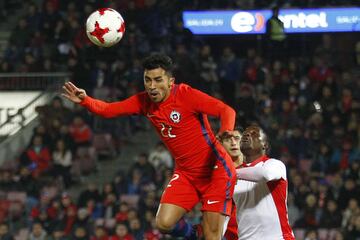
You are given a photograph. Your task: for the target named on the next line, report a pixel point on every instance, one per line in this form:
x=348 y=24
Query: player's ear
x=171 y=81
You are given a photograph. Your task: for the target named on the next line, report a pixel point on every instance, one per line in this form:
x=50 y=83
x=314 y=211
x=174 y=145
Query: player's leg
x=213 y=223
x=179 y=197
x=230 y=227
x=168 y=215
x=216 y=197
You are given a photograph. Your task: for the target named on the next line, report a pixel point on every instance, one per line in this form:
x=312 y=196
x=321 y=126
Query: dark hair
x=158 y=60
x=226 y=134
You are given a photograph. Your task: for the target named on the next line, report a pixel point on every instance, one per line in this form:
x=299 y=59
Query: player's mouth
x=154 y=94
x=245 y=140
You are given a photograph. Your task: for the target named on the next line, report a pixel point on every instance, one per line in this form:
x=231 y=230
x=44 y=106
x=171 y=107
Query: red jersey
x=181 y=122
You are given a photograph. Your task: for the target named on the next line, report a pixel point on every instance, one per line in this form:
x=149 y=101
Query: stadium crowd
x=309 y=104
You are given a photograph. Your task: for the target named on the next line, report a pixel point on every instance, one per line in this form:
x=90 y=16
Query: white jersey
x=261 y=201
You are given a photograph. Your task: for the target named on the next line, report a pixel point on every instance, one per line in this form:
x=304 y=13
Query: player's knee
x=163 y=225
x=212 y=232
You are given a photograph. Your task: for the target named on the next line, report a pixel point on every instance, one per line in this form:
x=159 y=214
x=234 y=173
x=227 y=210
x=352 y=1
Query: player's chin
x=156 y=99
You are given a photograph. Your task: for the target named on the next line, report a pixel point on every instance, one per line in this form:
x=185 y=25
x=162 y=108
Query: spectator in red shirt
x=37 y=157
x=122 y=233
x=80 y=131
x=100 y=233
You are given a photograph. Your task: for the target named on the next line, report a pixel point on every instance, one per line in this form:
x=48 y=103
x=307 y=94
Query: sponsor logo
x=243 y=22
x=212 y=202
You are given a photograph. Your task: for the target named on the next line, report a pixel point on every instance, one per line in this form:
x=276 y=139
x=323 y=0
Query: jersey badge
x=175 y=116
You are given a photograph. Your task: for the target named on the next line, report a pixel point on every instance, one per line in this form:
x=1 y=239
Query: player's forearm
x=257 y=174
x=227 y=118
x=98 y=107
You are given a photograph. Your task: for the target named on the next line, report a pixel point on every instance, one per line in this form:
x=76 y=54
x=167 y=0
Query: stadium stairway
x=141 y=141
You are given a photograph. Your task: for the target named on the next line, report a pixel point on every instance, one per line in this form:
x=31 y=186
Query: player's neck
x=251 y=158
x=167 y=95
x=238 y=161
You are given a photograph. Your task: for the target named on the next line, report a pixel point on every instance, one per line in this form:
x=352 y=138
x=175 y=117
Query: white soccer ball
x=105 y=27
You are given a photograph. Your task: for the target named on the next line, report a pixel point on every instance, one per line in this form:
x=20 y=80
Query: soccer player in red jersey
x=231 y=143
x=204 y=172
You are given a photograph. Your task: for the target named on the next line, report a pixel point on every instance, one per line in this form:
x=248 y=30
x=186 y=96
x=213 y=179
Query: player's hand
x=73 y=93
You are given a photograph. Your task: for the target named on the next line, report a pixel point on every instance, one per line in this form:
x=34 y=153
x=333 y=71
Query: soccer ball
x=105 y=27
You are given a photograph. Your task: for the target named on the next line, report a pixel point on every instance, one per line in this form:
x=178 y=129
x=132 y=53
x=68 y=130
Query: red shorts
x=214 y=191
x=232 y=227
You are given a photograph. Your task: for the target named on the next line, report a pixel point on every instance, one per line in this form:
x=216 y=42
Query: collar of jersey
x=256 y=161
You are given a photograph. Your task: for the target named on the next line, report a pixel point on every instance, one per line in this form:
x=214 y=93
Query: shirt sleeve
x=129 y=106
x=268 y=171
x=203 y=103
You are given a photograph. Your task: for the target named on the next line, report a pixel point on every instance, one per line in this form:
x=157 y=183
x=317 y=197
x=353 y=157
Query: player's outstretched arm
x=73 y=93
x=131 y=105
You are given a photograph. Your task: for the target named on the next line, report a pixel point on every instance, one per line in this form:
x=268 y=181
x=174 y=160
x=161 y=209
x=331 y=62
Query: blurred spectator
x=331 y=217
x=81 y=132
x=37 y=157
x=229 y=74
x=311 y=235
x=152 y=233
x=80 y=233
x=62 y=157
x=38 y=232
x=136 y=229
x=207 y=70
x=20 y=35
x=122 y=214
x=310 y=216
x=110 y=206
x=4 y=232
x=122 y=233
x=276 y=36
x=100 y=233
x=58 y=234
x=160 y=156
x=344 y=157
x=90 y=193
x=135 y=182
x=143 y=165
x=353 y=230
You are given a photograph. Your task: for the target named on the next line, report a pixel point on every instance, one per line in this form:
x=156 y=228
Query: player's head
x=158 y=78
x=254 y=141
x=231 y=143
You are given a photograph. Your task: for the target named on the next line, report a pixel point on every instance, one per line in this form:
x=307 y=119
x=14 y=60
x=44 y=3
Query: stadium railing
x=46 y=84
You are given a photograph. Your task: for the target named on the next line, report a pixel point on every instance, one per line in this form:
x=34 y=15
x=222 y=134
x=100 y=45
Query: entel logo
x=247 y=22
x=243 y=22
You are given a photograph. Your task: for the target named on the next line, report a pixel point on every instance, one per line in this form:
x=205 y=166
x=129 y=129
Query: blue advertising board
x=254 y=21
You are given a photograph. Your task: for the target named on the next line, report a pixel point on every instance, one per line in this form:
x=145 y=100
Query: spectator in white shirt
x=62 y=157
x=160 y=156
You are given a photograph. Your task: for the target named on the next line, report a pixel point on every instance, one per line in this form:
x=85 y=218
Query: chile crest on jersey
x=175 y=116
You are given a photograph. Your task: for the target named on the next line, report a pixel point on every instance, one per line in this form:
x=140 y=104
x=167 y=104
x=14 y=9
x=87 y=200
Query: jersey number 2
x=175 y=177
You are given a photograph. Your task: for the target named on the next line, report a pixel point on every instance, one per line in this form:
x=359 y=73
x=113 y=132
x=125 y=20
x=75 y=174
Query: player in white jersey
x=261 y=191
